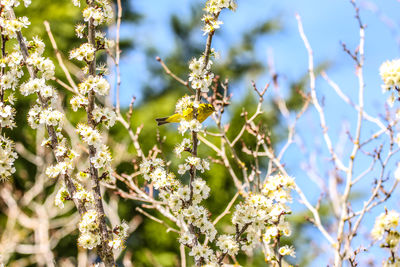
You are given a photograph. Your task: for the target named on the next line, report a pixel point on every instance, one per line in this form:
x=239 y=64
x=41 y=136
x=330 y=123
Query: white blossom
x=61 y=196
x=228 y=244
x=7 y=158
x=89 y=240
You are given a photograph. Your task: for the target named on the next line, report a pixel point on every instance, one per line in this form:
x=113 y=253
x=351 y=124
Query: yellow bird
x=203 y=112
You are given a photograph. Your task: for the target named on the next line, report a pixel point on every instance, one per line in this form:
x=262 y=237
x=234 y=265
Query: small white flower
x=286 y=250
x=227 y=244
x=89 y=240
x=61 y=196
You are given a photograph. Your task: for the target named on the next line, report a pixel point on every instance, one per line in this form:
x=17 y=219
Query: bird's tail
x=162 y=121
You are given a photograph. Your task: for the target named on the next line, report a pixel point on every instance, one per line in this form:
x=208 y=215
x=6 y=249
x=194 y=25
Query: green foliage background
x=150 y=244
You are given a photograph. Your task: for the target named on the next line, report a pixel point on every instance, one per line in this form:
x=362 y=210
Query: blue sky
x=326 y=24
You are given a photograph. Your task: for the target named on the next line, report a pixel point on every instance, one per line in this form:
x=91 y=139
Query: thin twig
x=59 y=57
x=169 y=228
x=170 y=73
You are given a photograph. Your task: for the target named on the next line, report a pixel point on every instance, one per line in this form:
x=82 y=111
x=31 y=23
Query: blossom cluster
x=61 y=196
x=198 y=163
x=184 y=201
x=386 y=223
x=213 y=8
x=385 y=226
x=44 y=113
x=29 y=53
x=101 y=12
x=7 y=158
x=94 y=84
x=84 y=52
x=390 y=74
x=89 y=229
x=11 y=65
x=262 y=214
x=120 y=233
x=9 y=4
x=228 y=244
x=200 y=76
x=10 y=26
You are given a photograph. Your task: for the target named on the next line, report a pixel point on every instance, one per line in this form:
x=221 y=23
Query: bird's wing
x=174 y=118
x=188 y=114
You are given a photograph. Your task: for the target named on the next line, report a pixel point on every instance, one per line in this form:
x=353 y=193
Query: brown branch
x=104 y=250
x=50 y=129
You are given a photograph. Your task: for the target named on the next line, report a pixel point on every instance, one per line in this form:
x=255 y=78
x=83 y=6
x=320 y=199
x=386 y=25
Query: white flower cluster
x=10 y=27
x=103 y=159
x=184 y=145
x=89 y=135
x=101 y=13
x=7 y=113
x=89 y=230
x=61 y=196
x=7 y=158
x=47 y=114
x=51 y=117
x=37 y=85
x=98 y=84
x=228 y=244
x=390 y=74
x=85 y=52
x=154 y=171
x=385 y=226
x=43 y=65
x=262 y=215
x=94 y=84
x=102 y=41
x=80 y=30
x=11 y=68
x=120 y=233
x=9 y=4
x=200 y=76
x=200 y=165
x=385 y=223
x=203 y=252
x=78 y=102
x=11 y=65
x=192 y=125
x=62 y=167
x=104 y=115
x=84 y=195
x=184 y=204
x=213 y=8
x=287 y=250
